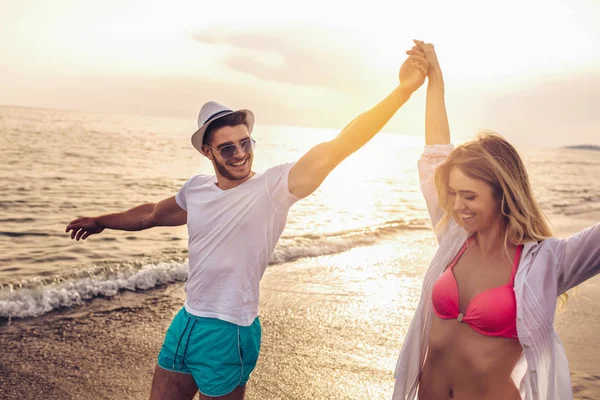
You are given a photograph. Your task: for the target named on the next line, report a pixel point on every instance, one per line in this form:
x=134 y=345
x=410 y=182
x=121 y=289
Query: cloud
x=309 y=56
x=555 y=111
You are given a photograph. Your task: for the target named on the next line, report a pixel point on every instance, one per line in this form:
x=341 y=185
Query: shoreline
x=332 y=329
x=327 y=332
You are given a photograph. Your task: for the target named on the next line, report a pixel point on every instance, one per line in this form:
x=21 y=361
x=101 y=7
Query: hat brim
x=198 y=136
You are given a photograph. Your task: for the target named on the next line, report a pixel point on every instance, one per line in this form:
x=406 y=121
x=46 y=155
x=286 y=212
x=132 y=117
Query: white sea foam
x=38 y=300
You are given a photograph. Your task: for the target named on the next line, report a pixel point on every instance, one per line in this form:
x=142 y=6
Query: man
x=235 y=219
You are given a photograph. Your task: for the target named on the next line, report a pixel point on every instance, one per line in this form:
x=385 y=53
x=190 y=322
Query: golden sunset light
x=289 y=60
x=273 y=200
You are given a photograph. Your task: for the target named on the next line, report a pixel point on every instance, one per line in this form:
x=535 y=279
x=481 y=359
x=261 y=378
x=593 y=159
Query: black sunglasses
x=229 y=150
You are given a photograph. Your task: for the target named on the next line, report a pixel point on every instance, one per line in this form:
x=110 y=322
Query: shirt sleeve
x=433 y=156
x=278 y=188
x=578 y=257
x=180 y=197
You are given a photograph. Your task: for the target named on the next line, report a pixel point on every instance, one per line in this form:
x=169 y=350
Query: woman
x=483 y=328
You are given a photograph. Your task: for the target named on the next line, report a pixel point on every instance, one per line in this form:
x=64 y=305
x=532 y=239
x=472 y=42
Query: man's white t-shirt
x=232 y=234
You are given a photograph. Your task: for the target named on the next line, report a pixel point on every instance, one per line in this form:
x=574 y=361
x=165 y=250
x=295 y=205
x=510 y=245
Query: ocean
x=58 y=165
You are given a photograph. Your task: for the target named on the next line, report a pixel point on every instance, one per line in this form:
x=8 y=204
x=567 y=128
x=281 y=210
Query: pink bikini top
x=492 y=312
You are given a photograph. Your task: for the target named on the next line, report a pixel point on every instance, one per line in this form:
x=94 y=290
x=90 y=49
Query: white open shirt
x=546 y=270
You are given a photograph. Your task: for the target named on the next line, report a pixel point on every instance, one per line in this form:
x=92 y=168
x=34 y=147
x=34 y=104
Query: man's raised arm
x=312 y=169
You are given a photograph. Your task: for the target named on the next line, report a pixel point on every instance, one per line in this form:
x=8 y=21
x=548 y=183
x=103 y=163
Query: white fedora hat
x=209 y=113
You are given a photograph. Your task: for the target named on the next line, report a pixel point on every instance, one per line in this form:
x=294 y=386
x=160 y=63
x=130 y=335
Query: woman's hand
x=422 y=49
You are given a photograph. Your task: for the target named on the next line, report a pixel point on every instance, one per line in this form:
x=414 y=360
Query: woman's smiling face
x=474 y=202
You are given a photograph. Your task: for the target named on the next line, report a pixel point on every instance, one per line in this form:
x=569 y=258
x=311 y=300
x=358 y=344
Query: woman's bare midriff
x=463 y=364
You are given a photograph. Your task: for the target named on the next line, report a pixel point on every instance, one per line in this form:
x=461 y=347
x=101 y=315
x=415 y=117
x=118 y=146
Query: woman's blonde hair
x=492 y=159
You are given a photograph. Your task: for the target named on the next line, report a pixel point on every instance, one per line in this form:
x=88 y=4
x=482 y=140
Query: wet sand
x=332 y=329
x=578 y=325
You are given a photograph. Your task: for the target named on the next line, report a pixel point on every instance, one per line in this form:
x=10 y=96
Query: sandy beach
x=296 y=140
x=332 y=329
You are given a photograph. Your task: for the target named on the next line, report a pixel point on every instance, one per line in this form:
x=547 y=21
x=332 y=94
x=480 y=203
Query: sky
x=529 y=70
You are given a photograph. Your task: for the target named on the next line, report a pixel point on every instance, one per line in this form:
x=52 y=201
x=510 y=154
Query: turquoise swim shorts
x=218 y=354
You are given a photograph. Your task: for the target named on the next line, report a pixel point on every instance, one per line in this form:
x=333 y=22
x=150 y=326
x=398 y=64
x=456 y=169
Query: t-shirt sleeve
x=180 y=197
x=278 y=188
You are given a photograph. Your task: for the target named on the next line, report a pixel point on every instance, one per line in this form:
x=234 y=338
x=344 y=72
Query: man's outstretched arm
x=312 y=169
x=164 y=213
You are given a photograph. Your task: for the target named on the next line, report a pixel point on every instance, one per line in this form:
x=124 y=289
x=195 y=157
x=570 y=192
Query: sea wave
x=582 y=205
x=36 y=297
x=311 y=245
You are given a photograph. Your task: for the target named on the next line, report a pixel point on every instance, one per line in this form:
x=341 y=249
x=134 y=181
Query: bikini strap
x=461 y=252
x=516 y=264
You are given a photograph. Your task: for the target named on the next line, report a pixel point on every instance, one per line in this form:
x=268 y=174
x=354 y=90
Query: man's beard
x=224 y=172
